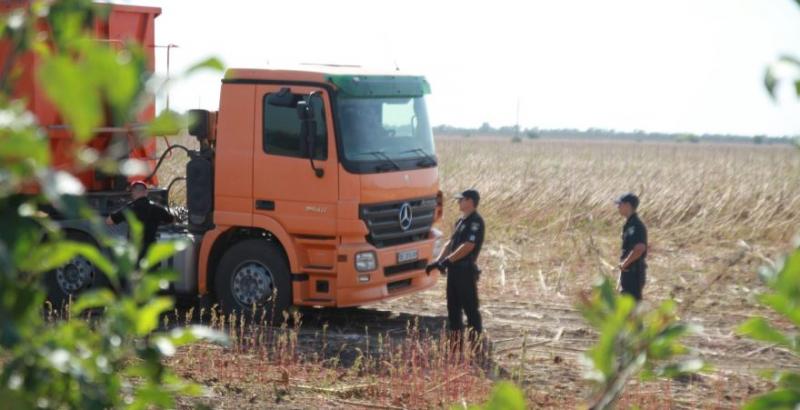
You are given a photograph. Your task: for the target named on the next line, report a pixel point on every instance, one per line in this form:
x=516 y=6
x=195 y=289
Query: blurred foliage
x=105 y=351
x=632 y=342
x=783 y=298
x=504 y=396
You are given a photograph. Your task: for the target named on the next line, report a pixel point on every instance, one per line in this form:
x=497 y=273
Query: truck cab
x=325 y=189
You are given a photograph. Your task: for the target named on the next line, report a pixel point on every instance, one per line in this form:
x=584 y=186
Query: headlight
x=365 y=261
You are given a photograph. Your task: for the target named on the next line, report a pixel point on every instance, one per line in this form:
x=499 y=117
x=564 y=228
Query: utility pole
x=169 y=47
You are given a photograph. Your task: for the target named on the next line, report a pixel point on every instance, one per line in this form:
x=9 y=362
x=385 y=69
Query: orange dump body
x=124 y=23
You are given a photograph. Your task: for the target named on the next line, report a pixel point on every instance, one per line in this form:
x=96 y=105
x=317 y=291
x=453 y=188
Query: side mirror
x=199 y=122
x=308 y=132
x=308 y=126
x=305 y=112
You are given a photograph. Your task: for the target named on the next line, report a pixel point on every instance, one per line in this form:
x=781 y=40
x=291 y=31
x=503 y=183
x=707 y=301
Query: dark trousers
x=462 y=296
x=632 y=281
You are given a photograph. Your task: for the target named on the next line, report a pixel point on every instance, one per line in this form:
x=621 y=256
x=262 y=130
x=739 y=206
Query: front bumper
x=388 y=280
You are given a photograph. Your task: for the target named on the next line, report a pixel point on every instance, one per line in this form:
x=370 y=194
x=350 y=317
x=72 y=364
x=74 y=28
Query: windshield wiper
x=429 y=160
x=382 y=155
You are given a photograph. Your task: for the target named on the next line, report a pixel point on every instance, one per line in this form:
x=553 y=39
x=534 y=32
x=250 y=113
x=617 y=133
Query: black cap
x=470 y=194
x=630 y=198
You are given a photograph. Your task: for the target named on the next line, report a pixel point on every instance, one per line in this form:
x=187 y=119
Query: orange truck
x=310 y=187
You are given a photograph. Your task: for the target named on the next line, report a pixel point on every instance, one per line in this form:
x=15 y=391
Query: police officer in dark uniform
x=632 y=264
x=458 y=260
x=150 y=215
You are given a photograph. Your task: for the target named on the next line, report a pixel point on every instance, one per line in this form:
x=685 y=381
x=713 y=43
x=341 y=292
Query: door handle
x=265 y=204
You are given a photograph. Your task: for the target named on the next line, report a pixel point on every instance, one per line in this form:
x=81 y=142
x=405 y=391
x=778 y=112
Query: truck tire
x=253 y=279
x=73 y=278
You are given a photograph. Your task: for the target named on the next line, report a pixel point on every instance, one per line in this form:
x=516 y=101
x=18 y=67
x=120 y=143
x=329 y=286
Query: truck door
x=285 y=187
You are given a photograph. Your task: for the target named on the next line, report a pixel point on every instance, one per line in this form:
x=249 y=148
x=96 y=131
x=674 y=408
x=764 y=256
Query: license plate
x=407 y=256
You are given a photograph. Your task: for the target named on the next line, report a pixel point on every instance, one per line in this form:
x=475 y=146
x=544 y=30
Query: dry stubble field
x=715 y=214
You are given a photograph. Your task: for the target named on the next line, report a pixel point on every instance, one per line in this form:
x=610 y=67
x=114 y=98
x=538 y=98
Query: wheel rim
x=252 y=283
x=75 y=275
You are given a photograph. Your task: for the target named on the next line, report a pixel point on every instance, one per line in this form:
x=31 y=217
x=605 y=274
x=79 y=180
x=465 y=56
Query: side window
x=282 y=128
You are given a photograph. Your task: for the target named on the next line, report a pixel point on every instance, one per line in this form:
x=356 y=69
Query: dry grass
x=552 y=231
x=724 y=191
x=274 y=364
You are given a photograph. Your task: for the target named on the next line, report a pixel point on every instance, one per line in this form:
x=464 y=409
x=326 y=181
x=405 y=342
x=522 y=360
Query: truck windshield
x=386 y=133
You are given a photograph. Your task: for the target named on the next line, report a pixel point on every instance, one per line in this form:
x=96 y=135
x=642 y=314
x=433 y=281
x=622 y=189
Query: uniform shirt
x=469 y=229
x=634 y=232
x=149 y=214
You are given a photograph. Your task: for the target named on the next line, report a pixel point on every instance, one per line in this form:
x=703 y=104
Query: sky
x=660 y=66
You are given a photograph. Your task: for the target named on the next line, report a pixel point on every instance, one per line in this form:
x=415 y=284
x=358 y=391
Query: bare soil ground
x=553 y=232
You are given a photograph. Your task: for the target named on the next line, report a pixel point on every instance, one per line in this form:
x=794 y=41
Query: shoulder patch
x=630 y=231
x=475 y=226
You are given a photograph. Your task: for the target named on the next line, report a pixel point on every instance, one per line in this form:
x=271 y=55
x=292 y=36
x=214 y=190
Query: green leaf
x=113 y=75
x=93 y=255
x=58 y=183
x=787 y=59
x=775 y=400
x=603 y=353
x=51 y=255
x=161 y=251
x=506 y=396
x=787 y=281
x=92 y=300
x=152 y=396
x=147 y=317
x=608 y=295
x=782 y=304
x=665 y=341
x=682 y=368
x=68 y=20
x=152 y=283
x=186 y=335
x=758 y=328
x=211 y=63
x=770 y=82
x=71 y=90
x=790 y=381
x=164 y=345
x=167 y=123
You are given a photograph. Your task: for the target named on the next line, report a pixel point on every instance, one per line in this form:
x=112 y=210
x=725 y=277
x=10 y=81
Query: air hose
x=164 y=155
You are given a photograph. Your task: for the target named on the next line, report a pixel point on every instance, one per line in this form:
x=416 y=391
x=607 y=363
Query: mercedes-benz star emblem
x=405 y=216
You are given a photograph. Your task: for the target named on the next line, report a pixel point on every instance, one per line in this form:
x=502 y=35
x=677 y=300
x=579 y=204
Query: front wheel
x=253 y=279
x=74 y=277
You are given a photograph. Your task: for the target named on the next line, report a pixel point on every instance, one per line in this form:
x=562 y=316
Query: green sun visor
x=380 y=85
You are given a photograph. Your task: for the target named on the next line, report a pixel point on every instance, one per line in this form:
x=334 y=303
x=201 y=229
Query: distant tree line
x=511 y=131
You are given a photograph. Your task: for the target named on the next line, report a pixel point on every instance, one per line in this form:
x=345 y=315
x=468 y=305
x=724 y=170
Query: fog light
x=365 y=261
x=363 y=278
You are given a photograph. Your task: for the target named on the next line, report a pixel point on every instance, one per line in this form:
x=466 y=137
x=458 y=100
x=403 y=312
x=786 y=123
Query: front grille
x=403 y=268
x=383 y=222
x=399 y=285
